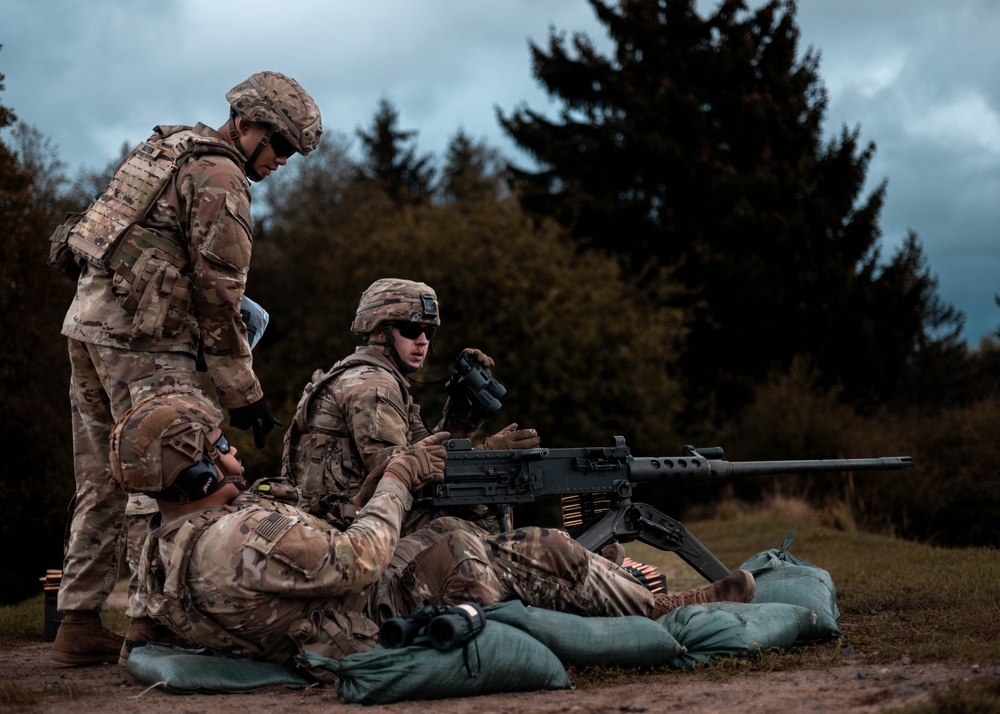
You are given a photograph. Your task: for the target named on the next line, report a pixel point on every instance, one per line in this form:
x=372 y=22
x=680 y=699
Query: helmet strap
x=386 y=343
x=234 y=136
x=389 y=348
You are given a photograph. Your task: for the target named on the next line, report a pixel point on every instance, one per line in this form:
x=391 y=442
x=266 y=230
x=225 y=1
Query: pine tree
x=391 y=159
x=472 y=171
x=698 y=146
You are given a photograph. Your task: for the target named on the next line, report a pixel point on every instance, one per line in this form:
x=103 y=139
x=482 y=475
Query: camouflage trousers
x=485 y=518
x=452 y=562
x=104 y=383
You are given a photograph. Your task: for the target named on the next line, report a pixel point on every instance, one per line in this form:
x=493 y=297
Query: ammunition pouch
x=152 y=282
x=334 y=634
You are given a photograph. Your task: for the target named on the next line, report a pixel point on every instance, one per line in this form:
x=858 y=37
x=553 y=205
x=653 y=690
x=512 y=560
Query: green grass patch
x=897 y=598
x=980 y=695
x=25 y=621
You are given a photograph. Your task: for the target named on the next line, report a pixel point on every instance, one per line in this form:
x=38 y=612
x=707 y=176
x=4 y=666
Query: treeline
x=684 y=261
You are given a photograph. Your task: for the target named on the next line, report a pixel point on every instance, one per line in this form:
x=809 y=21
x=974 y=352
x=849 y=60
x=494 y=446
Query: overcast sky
x=918 y=76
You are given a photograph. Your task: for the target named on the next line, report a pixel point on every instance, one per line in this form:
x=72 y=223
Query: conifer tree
x=391 y=159
x=697 y=145
x=472 y=171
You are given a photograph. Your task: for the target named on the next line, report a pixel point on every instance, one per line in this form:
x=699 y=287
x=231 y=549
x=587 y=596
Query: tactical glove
x=480 y=356
x=256 y=416
x=421 y=463
x=510 y=437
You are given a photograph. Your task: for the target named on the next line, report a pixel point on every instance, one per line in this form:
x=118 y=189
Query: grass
x=897 y=598
x=25 y=621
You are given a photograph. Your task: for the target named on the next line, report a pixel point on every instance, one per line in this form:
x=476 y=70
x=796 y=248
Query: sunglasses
x=281 y=146
x=222 y=444
x=412 y=330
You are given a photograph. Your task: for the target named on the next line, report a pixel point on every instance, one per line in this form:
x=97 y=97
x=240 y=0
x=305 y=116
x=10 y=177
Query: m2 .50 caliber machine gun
x=596 y=485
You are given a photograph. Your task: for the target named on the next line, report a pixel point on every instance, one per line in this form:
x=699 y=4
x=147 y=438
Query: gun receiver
x=596 y=485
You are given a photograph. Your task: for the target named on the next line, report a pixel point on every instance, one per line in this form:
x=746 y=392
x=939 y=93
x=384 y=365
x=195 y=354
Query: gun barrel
x=692 y=469
x=883 y=463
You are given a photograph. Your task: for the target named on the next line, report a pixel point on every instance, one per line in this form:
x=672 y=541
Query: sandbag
x=189 y=671
x=501 y=659
x=733 y=629
x=592 y=641
x=781 y=577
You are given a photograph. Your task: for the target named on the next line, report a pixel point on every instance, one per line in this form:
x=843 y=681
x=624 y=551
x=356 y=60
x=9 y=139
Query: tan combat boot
x=82 y=639
x=144 y=630
x=736 y=587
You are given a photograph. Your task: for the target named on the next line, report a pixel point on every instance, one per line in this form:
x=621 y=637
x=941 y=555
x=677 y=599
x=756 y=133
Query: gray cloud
x=916 y=75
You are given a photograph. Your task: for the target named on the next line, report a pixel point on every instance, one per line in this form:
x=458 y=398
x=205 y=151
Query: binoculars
x=442 y=627
x=474 y=383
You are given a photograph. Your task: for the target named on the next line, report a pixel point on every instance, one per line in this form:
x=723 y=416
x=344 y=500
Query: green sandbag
x=592 y=641
x=501 y=659
x=185 y=671
x=734 y=629
x=781 y=577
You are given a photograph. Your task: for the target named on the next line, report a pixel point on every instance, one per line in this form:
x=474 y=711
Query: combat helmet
x=160 y=447
x=390 y=300
x=278 y=101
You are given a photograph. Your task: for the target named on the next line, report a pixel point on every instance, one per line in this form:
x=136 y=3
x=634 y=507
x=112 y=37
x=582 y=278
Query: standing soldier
x=361 y=411
x=162 y=258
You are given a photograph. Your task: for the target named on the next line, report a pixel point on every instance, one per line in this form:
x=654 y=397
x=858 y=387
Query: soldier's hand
x=421 y=463
x=254 y=416
x=480 y=356
x=511 y=437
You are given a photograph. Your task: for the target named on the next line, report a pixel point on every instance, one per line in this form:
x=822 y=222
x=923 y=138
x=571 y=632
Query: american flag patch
x=272 y=525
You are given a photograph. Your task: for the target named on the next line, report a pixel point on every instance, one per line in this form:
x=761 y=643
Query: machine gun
x=596 y=485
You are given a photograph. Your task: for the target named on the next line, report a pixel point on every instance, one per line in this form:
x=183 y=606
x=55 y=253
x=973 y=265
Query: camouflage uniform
x=353 y=417
x=350 y=420
x=206 y=208
x=241 y=577
x=258 y=578
x=161 y=260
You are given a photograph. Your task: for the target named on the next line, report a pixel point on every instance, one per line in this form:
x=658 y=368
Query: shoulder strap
x=193 y=145
x=321 y=379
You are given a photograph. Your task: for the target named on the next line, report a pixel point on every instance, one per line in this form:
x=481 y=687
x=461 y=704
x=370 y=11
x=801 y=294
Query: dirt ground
x=852 y=687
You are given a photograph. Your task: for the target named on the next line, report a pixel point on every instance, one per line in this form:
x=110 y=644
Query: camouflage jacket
x=349 y=420
x=205 y=207
x=259 y=578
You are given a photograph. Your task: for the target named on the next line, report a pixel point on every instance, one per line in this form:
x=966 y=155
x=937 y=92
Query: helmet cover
x=278 y=101
x=396 y=300
x=160 y=437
